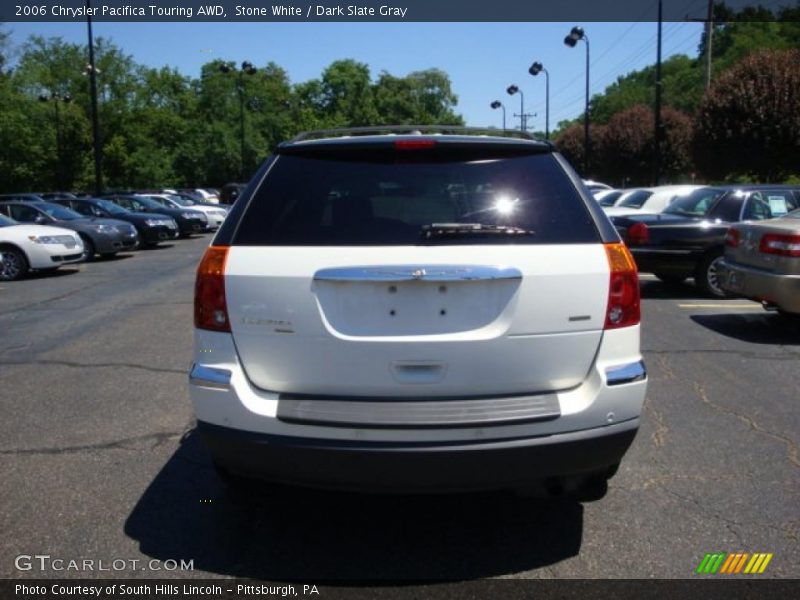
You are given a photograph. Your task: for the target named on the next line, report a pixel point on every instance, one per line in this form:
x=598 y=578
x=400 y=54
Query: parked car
x=189 y=221
x=213 y=213
x=50 y=196
x=22 y=197
x=230 y=192
x=594 y=186
x=762 y=259
x=607 y=197
x=632 y=196
x=688 y=238
x=105 y=237
x=200 y=195
x=35 y=247
x=649 y=201
x=152 y=227
x=418 y=312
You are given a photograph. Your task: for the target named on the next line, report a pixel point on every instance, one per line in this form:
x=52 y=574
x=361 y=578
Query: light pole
x=91 y=70
x=497 y=104
x=513 y=89
x=535 y=69
x=658 y=126
x=57 y=98
x=571 y=40
x=247 y=68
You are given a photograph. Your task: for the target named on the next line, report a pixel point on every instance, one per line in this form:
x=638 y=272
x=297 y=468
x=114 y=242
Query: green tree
x=749 y=121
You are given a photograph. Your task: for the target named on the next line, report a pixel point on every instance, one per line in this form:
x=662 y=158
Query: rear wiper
x=469 y=229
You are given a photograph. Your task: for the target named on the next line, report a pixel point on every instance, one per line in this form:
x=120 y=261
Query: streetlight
x=571 y=40
x=57 y=98
x=513 y=89
x=535 y=69
x=92 y=72
x=497 y=104
x=247 y=68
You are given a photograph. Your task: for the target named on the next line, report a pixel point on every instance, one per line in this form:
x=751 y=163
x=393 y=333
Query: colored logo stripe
x=734 y=563
x=711 y=563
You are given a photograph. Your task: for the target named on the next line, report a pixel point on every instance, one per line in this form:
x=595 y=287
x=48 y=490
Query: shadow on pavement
x=159 y=246
x=759 y=328
x=658 y=290
x=106 y=258
x=285 y=533
x=52 y=274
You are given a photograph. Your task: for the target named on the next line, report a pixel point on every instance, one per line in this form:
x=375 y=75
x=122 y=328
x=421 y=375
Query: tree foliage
x=749 y=122
x=159 y=127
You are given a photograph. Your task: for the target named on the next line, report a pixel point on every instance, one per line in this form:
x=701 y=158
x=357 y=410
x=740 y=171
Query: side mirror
x=40 y=220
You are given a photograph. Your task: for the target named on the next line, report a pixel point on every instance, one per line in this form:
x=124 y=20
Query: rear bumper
x=760 y=285
x=247 y=430
x=116 y=242
x=189 y=226
x=417 y=467
x=153 y=235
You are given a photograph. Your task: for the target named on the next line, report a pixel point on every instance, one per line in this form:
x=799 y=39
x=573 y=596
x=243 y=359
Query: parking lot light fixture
x=57 y=98
x=575 y=35
x=534 y=70
x=497 y=104
x=247 y=68
x=514 y=89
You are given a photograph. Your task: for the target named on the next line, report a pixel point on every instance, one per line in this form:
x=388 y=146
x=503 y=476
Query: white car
x=207 y=196
x=35 y=247
x=418 y=312
x=648 y=200
x=215 y=215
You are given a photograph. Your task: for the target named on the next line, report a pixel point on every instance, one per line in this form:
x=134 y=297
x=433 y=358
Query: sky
x=482 y=59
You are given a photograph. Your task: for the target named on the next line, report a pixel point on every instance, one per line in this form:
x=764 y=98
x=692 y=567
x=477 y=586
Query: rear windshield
x=608 y=198
x=695 y=204
x=635 y=199
x=324 y=201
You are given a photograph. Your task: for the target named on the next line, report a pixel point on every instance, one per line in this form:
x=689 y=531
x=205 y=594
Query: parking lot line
x=719 y=306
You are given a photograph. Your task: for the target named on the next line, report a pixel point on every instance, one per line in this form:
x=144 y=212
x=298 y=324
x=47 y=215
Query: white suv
x=417 y=312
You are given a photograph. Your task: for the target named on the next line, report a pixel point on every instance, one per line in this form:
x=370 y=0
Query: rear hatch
x=446 y=270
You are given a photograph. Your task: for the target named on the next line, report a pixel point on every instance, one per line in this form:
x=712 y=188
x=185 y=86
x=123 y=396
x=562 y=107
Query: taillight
x=732 y=238
x=780 y=244
x=414 y=144
x=210 y=310
x=637 y=234
x=623 y=288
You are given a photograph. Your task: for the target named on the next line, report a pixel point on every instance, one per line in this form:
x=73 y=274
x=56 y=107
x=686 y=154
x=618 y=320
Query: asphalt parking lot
x=100 y=459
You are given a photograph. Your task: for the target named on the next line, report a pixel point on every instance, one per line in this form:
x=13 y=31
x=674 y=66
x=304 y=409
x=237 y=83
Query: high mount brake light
x=780 y=244
x=210 y=309
x=623 y=308
x=414 y=144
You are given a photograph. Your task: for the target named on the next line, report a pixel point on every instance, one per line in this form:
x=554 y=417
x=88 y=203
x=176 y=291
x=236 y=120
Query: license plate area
x=413 y=308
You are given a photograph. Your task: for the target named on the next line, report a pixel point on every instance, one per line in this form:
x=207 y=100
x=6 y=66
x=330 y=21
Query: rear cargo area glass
x=388 y=199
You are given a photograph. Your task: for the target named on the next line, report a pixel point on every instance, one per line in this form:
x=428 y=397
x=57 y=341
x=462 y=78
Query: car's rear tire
x=670 y=278
x=14 y=264
x=707 y=275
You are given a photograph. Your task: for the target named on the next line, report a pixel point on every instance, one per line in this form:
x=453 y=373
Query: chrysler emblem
x=418 y=273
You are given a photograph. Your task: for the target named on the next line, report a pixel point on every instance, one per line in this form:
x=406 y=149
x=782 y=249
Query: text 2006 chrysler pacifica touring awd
x=393 y=310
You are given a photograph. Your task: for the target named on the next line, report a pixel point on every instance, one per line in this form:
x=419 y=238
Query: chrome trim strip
x=427 y=412
x=210 y=377
x=435 y=273
x=626 y=373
